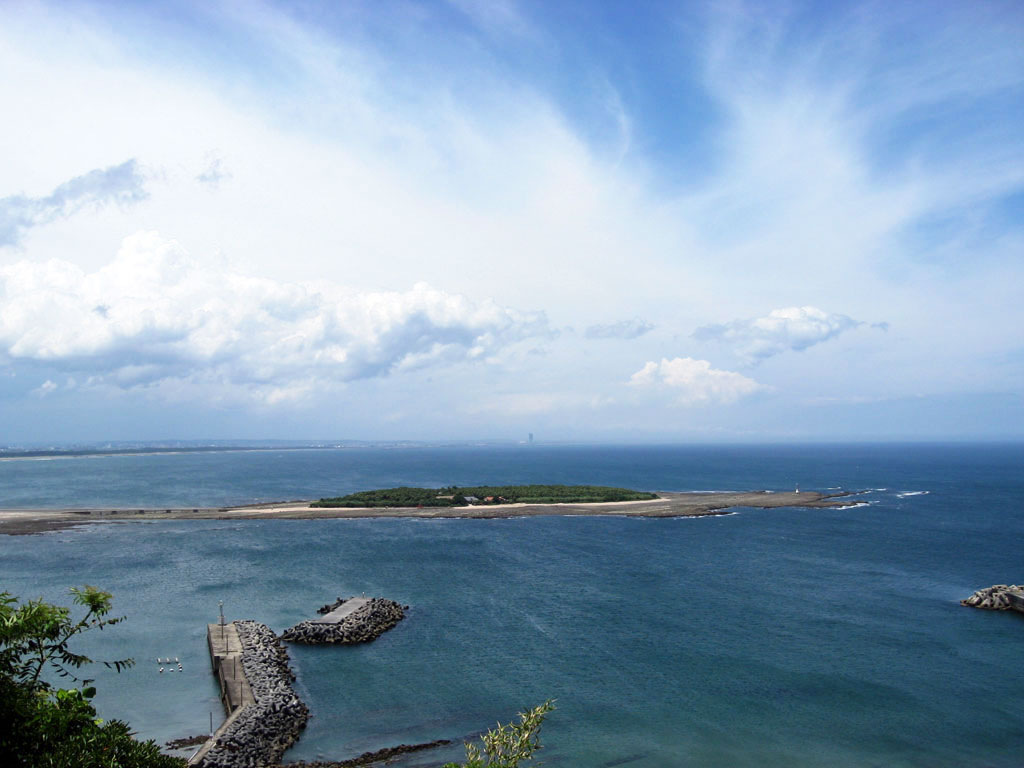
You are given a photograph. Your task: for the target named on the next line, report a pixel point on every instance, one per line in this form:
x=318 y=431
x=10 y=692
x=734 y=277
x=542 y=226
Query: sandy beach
x=31 y=521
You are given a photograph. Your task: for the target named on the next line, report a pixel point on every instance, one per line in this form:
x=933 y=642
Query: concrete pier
x=235 y=691
x=355 y=620
x=226 y=659
x=264 y=715
x=343 y=611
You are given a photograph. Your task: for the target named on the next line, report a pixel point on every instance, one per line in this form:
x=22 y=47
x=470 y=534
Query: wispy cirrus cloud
x=781 y=330
x=694 y=382
x=156 y=315
x=119 y=184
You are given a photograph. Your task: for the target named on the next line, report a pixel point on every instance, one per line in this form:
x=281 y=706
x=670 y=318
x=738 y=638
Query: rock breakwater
x=995 y=598
x=372 y=618
x=259 y=733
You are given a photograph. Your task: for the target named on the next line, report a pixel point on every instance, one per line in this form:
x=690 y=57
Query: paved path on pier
x=345 y=609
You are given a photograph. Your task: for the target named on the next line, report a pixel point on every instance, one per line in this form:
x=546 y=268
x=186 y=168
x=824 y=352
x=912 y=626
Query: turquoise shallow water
x=764 y=638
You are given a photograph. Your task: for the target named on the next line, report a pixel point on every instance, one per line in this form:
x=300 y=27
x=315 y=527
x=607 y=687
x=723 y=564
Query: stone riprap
x=995 y=598
x=375 y=616
x=259 y=733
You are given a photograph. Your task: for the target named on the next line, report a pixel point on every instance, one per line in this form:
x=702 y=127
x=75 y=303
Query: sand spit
x=30 y=521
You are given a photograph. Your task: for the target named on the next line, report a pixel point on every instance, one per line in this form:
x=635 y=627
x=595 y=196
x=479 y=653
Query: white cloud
x=791 y=328
x=44 y=389
x=695 y=381
x=808 y=166
x=624 y=329
x=156 y=316
x=117 y=184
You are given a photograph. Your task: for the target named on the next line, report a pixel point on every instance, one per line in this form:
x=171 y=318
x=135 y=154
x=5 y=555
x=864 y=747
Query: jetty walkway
x=342 y=612
x=264 y=715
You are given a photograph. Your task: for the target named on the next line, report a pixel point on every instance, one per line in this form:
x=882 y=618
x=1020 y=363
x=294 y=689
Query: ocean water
x=789 y=637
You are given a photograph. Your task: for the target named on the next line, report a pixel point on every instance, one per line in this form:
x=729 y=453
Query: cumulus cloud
x=156 y=316
x=624 y=329
x=122 y=184
x=791 y=328
x=695 y=382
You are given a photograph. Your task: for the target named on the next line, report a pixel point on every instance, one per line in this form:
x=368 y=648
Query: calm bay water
x=765 y=638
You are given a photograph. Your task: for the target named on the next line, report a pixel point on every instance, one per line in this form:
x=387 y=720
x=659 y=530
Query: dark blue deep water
x=787 y=637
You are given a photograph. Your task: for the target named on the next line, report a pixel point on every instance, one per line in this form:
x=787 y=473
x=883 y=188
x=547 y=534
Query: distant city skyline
x=589 y=221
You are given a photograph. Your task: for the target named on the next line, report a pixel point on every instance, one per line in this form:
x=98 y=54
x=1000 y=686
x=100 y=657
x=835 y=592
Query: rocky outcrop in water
x=187 y=741
x=995 y=598
x=371 y=757
x=364 y=624
x=258 y=734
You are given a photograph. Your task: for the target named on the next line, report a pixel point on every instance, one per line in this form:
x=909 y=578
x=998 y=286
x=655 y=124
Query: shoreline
x=16 y=522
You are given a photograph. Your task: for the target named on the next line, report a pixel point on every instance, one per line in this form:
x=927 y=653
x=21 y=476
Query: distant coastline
x=42 y=454
x=667 y=504
x=131 y=448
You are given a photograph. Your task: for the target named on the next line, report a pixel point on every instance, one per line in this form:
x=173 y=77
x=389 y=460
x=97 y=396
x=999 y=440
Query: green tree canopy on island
x=41 y=725
x=454 y=496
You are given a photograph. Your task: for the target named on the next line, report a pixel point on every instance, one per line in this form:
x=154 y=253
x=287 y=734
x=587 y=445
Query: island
x=454 y=496
x=663 y=504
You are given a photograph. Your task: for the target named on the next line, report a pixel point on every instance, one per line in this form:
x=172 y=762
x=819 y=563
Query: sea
x=782 y=637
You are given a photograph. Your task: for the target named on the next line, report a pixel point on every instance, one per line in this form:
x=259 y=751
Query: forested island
x=481 y=501
x=455 y=496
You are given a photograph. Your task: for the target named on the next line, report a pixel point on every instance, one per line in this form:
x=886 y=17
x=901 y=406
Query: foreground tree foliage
x=508 y=745
x=41 y=725
x=454 y=496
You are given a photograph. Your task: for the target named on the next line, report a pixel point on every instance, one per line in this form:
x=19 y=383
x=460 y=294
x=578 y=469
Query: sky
x=593 y=220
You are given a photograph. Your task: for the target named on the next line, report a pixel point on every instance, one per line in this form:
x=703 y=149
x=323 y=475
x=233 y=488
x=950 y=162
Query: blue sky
x=610 y=221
